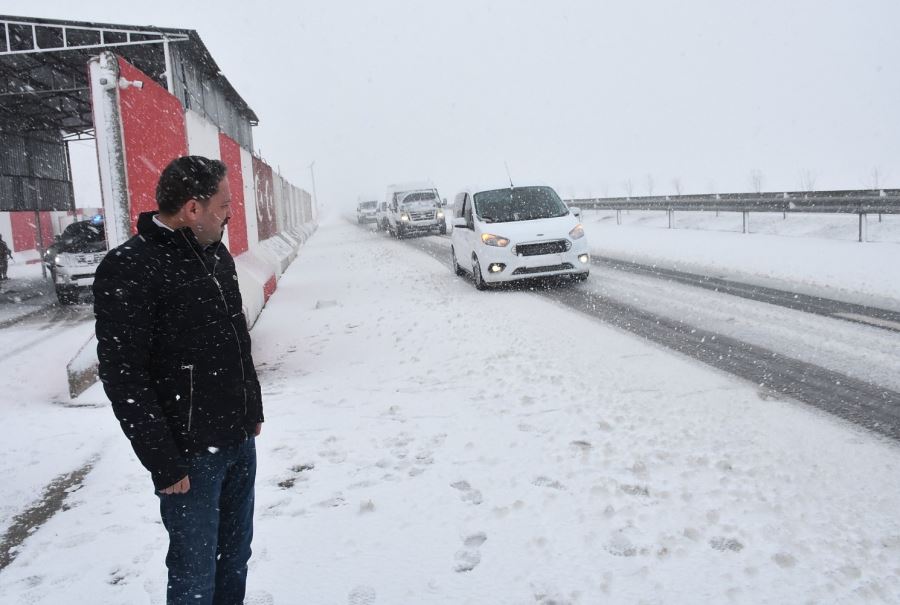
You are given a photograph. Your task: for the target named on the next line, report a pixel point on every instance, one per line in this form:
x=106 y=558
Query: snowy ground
x=427 y=443
x=806 y=253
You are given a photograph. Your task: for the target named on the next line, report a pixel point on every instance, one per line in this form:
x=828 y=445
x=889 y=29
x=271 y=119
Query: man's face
x=208 y=220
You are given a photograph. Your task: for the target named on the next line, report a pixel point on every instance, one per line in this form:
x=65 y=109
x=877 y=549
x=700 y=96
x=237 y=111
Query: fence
x=859 y=202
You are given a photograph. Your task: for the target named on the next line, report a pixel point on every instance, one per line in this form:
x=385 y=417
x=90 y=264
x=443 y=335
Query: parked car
x=414 y=208
x=504 y=235
x=365 y=211
x=73 y=258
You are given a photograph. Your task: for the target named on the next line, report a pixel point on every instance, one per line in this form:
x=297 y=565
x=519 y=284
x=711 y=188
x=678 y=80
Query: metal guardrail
x=859 y=202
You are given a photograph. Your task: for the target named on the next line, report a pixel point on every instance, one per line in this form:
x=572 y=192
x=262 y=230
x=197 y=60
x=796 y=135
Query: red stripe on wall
x=154 y=132
x=269 y=288
x=237 y=226
x=24 y=230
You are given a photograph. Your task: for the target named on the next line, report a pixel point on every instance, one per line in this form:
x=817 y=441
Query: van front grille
x=551 y=247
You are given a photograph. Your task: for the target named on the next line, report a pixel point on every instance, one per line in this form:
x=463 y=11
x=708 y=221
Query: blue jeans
x=211 y=527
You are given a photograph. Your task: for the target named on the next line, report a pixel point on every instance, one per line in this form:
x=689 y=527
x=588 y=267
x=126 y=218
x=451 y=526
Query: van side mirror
x=576 y=212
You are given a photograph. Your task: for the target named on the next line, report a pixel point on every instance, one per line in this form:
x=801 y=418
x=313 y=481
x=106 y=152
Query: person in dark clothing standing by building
x=5 y=255
x=175 y=362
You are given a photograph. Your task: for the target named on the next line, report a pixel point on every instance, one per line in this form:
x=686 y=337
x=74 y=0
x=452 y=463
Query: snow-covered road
x=823 y=359
x=428 y=443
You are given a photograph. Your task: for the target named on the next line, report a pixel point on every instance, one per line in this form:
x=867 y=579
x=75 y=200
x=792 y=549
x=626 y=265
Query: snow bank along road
x=837 y=356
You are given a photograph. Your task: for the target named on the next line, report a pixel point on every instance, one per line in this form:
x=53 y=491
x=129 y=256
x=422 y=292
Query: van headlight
x=577 y=232
x=494 y=240
x=440 y=214
x=404 y=217
x=58 y=260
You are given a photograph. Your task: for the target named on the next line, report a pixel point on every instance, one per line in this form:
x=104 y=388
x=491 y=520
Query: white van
x=365 y=211
x=503 y=235
x=414 y=208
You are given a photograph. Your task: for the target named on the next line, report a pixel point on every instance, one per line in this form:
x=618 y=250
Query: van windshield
x=368 y=204
x=420 y=196
x=518 y=204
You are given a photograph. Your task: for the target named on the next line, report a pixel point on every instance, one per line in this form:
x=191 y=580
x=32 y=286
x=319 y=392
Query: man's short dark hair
x=190 y=177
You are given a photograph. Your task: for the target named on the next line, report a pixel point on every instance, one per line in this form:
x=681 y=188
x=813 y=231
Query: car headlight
x=58 y=260
x=577 y=232
x=494 y=240
x=440 y=214
x=404 y=217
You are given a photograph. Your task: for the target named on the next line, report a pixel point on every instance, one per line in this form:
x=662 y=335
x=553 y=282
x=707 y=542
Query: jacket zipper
x=190 y=368
x=237 y=340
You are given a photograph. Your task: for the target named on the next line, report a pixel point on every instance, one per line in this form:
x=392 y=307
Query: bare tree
x=676 y=185
x=807 y=180
x=756 y=180
x=649 y=184
x=628 y=186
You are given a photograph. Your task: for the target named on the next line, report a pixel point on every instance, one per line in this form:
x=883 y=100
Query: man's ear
x=190 y=207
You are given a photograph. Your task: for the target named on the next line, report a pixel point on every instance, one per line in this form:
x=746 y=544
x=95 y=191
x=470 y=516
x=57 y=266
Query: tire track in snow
x=868 y=405
x=870 y=316
x=50 y=502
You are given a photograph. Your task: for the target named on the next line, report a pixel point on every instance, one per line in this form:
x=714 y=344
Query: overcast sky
x=581 y=95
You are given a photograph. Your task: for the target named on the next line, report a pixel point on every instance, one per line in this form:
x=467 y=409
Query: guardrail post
x=863 y=227
x=618 y=216
x=746 y=216
x=671 y=219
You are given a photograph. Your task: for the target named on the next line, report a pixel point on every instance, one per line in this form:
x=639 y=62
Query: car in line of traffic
x=412 y=209
x=516 y=233
x=365 y=211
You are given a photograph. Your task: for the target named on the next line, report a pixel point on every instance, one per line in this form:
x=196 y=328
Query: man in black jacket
x=175 y=362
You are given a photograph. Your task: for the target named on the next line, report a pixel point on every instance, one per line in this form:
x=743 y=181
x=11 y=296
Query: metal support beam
x=746 y=216
x=167 y=57
x=104 y=71
x=863 y=227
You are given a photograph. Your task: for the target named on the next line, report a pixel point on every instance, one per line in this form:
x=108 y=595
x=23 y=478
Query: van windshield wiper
x=487 y=219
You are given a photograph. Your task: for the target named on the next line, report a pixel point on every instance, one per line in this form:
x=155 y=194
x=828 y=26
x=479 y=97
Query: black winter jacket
x=174 y=348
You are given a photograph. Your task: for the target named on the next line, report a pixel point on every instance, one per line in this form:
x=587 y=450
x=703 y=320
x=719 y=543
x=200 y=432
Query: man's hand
x=258 y=429
x=181 y=487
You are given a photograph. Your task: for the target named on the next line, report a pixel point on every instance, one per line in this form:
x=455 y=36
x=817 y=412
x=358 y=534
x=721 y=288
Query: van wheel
x=455 y=264
x=480 y=284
